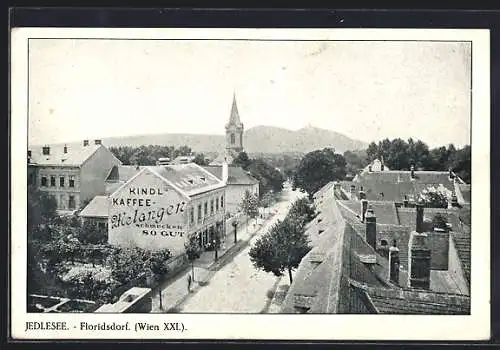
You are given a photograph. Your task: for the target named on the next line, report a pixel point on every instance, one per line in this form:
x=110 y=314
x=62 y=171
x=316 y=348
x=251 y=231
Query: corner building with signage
x=161 y=206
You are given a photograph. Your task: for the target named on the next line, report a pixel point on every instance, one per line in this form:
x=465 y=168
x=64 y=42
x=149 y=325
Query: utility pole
x=235 y=225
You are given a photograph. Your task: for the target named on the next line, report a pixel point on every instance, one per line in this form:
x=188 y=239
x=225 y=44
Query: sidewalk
x=174 y=292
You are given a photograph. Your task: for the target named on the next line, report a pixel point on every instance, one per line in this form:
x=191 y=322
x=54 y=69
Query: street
x=238 y=287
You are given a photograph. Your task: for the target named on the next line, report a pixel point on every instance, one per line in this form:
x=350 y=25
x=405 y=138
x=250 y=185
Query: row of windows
x=215 y=204
x=62 y=181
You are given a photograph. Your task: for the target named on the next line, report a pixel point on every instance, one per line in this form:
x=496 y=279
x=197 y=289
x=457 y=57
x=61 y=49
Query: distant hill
x=259 y=139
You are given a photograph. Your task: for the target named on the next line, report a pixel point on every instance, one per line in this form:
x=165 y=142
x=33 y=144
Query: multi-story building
x=238 y=182
x=73 y=175
x=162 y=206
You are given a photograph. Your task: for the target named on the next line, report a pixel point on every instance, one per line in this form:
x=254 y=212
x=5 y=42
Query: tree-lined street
x=239 y=287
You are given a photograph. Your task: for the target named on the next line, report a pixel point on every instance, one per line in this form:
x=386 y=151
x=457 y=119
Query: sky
x=87 y=89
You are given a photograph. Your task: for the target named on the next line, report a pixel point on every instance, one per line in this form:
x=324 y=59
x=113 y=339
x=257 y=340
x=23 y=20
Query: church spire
x=234 y=118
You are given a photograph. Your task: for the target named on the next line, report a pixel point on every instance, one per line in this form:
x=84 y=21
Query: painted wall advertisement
x=149 y=214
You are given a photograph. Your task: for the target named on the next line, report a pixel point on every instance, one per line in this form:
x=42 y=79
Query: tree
x=183 y=151
x=317 y=168
x=433 y=198
x=42 y=208
x=91 y=233
x=438 y=221
x=193 y=251
x=372 y=152
x=267 y=200
x=270 y=179
x=200 y=159
x=282 y=248
x=250 y=205
x=242 y=160
x=355 y=161
x=302 y=208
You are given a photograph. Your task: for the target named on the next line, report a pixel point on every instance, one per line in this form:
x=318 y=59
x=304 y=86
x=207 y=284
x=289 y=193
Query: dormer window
x=203 y=178
x=191 y=181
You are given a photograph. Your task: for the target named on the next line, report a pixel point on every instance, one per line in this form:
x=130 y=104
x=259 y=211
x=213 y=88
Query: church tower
x=234 y=130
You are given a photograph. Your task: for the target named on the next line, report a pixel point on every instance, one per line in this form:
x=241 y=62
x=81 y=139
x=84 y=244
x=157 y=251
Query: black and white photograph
x=244 y=174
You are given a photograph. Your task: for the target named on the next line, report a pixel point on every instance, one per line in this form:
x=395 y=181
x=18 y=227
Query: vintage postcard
x=298 y=184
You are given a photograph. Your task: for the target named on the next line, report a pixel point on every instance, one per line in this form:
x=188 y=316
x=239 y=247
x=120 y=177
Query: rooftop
x=189 y=178
x=413 y=302
x=98 y=207
x=126 y=300
x=395 y=185
x=75 y=156
x=236 y=175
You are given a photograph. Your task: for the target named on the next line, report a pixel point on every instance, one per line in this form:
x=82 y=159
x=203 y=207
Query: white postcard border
x=238 y=326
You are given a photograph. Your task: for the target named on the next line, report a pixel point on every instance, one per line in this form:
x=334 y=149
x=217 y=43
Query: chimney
x=382 y=166
x=98 y=142
x=85 y=143
x=364 y=207
x=450 y=174
x=29 y=153
x=394 y=263
x=225 y=171
x=405 y=201
x=419 y=227
x=412 y=171
x=65 y=149
x=419 y=261
x=362 y=194
x=46 y=150
x=371 y=227
x=370 y=168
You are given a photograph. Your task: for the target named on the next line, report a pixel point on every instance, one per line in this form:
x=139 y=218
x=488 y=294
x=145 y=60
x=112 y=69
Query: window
x=233 y=139
x=216 y=205
x=205 y=209
x=191 y=215
x=211 y=207
x=71 y=181
x=61 y=181
x=222 y=201
x=44 y=181
x=199 y=213
x=52 y=181
x=62 y=201
x=71 y=202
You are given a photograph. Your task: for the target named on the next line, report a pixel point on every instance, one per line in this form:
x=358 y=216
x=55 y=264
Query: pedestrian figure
x=189 y=282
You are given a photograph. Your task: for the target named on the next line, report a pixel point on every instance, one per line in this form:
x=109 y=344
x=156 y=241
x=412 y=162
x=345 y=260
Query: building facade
x=73 y=175
x=237 y=183
x=162 y=206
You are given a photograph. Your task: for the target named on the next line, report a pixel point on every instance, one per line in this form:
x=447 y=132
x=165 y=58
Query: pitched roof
x=465 y=192
x=462 y=244
x=236 y=175
x=122 y=173
x=384 y=210
x=75 y=156
x=98 y=207
x=412 y=302
x=189 y=178
x=317 y=279
x=394 y=185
